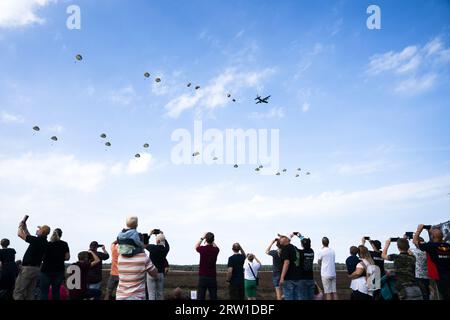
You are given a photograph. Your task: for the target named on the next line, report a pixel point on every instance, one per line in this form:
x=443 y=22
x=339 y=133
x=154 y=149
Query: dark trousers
x=207 y=283
x=356 y=295
x=54 y=279
x=444 y=288
x=236 y=291
x=90 y=294
x=424 y=285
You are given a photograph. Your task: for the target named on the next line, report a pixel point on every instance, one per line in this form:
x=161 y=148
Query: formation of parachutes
x=108 y=144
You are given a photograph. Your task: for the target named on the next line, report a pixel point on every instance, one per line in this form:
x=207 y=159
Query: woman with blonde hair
x=53 y=267
x=366 y=277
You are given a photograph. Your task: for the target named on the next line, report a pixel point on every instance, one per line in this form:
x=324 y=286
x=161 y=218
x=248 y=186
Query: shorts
x=250 y=288
x=329 y=284
x=113 y=281
x=276 y=280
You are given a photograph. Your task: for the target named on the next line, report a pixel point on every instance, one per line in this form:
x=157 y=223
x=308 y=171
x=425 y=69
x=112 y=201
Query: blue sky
x=365 y=111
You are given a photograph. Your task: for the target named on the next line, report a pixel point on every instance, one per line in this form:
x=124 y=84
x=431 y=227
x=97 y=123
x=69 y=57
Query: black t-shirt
x=95 y=273
x=439 y=253
x=291 y=253
x=236 y=261
x=7 y=255
x=351 y=264
x=158 y=254
x=277 y=264
x=35 y=252
x=379 y=261
x=54 y=256
x=306 y=258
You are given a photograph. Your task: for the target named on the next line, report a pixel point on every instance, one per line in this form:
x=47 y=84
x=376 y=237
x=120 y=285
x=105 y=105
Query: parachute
x=79 y=57
x=308 y=173
x=197 y=87
x=196 y=153
x=146 y=145
x=228 y=95
x=189 y=85
x=215 y=158
x=54 y=138
x=158 y=80
x=257 y=169
x=284 y=170
x=236 y=166
x=299 y=169
x=137 y=155
x=278 y=174
x=103 y=135
x=147 y=75
x=297 y=175
x=108 y=144
x=261 y=167
x=36 y=128
x=234 y=100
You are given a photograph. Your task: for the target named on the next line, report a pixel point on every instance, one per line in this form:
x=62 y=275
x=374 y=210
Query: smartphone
x=409 y=235
x=296 y=233
x=156 y=231
x=427 y=227
x=366 y=238
x=25 y=218
x=394 y=239
x=145 y=238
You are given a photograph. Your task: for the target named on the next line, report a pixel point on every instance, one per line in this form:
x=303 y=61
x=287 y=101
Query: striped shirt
x=132 y=275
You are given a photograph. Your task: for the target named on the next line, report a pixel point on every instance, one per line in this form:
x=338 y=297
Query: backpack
x=388 y=290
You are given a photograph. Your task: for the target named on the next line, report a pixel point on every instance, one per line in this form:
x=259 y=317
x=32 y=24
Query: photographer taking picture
x=207 y=276
x=95 y=272
x=31 y=262
x=158 y=253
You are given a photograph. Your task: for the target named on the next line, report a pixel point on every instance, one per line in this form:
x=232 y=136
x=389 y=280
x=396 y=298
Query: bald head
x=436 y=235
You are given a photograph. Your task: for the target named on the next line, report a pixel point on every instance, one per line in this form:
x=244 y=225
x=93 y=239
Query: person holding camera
x=158 y=253
x=235 y=273
x=366 y=276
x=439 y=253
x=375 y=253
x=405 y=269
x=207 y=276
x=422 y=278
x=29 y=274
x=306 y=262
x=251 y=280
x=290 y=272
x=86 y=261
x=53 y=268
x=276 y=266
x=95 y=273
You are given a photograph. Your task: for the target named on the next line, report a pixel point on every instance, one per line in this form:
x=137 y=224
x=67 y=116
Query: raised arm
x=384 y=254
x=96 y=258
x=23 y=231
x=199 y=242
x=270 y=246
x=417 y=235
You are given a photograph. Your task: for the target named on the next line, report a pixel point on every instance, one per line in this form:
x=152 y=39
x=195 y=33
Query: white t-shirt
x=360 y=284
x=248 y=275
x=328 y=268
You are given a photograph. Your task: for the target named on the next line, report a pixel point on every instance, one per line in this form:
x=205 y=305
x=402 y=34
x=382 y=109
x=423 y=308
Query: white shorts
x=329 y=284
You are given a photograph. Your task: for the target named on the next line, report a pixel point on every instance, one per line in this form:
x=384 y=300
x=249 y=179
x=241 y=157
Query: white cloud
x=124 y=96
x=6 y=117
x=140 y=165
x=416 y=85
x=417 y=67
x=275 y=112
x=17 y=13
x=306 y=106
x=214 y=95
x=63 y=171
x=360 y=168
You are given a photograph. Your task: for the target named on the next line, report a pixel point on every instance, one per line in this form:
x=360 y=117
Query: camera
x=409 y=235
x=427 y=227
x=145 y=238
x=156 y=231
x=366 y=238
x=394 y=239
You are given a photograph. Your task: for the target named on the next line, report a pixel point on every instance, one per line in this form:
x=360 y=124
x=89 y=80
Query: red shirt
x=208 y=258
x=432 y=270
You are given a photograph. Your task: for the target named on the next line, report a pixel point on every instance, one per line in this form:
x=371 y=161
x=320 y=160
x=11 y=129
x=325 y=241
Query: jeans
x=291 y=289
x=155 y=287
x=207 y=283
x=306 y=289
x=94 y=288
x=54 y=279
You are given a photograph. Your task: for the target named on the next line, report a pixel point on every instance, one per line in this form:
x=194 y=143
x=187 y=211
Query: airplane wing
x=266 y=98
